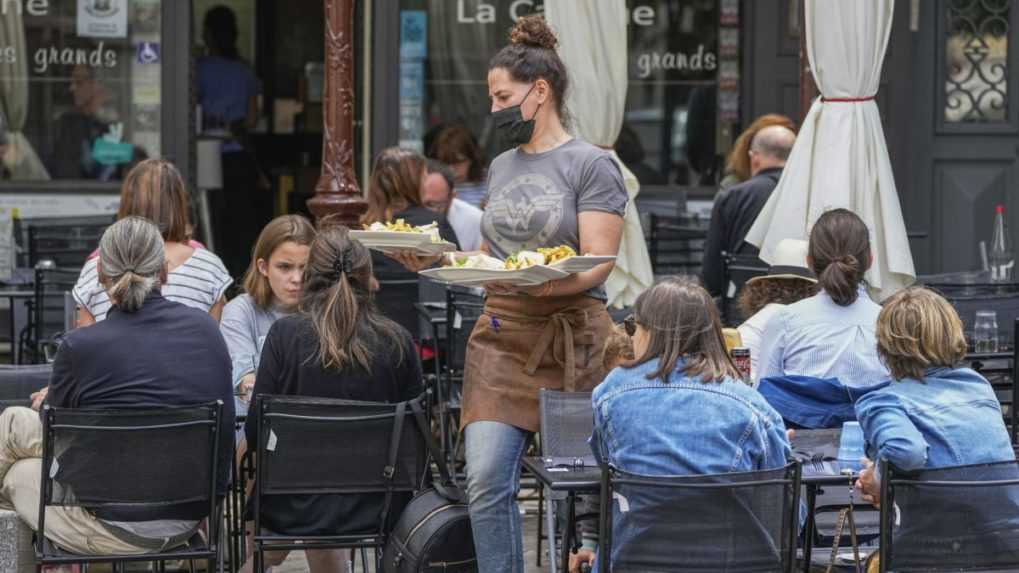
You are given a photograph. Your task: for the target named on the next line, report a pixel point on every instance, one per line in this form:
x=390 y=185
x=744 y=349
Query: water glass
x=851 y=442
x=985 y=331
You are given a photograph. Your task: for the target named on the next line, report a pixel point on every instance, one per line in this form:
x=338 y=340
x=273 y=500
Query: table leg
x=568 y=532
x=550 y=519
x=14 y=335
x=808 y=527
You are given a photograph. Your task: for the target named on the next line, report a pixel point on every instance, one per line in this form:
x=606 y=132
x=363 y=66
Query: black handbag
x=434 y=530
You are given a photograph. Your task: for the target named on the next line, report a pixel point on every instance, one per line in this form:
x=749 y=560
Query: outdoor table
x=575 y=480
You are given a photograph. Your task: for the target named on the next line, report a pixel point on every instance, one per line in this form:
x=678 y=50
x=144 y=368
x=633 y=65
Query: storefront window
x=668 y=135
x=81 y=94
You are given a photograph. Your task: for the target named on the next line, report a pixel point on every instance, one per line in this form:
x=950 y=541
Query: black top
x=398 y=287
x=734 y=213
x=165 y=354
x=290 y=366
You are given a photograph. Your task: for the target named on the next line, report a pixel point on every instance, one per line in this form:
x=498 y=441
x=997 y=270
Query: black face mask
x=511 y=124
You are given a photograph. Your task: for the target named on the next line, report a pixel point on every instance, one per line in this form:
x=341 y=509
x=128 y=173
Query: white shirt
x=751 y=332
x=466 y=222
x=816 y=337
x=199 y=283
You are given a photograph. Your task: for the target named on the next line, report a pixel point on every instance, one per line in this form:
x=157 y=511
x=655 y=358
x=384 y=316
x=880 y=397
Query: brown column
x=808 y=89
x=336 y=191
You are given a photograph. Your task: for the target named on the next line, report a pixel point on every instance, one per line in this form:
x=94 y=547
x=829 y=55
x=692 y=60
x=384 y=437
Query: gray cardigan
x=244 y=327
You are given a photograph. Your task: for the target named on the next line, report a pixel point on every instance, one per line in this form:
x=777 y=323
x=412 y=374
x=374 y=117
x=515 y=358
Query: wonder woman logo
x=524 y=214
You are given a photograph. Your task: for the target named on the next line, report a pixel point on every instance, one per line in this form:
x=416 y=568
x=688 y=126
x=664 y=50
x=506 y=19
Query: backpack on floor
x=434 y=530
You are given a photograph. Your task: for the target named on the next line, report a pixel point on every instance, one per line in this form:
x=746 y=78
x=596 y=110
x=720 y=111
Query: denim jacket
x=949 y=418
x=684 y=427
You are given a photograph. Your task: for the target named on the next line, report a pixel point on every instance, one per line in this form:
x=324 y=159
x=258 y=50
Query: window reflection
x=976 y=50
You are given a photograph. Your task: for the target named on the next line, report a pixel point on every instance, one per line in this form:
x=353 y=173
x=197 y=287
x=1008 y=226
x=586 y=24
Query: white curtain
x=592 y=45
x=21 y=159
x=840 y=158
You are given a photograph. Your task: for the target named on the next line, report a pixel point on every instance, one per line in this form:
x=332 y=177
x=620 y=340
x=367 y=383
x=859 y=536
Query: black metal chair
x=464 y=306
x=1002 y=371
x=738 y=522
x=962 y=518
x=378 y=450
x=675 y=244
x=67 y=241
x=566 y=422
x=160 y=461
x=18 y=383
x=48 y=315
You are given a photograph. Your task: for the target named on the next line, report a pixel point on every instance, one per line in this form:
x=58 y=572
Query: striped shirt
x=199 y=283
x=816 y=337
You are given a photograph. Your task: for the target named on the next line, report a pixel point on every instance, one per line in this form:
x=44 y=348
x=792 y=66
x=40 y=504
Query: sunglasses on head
x=630 y=324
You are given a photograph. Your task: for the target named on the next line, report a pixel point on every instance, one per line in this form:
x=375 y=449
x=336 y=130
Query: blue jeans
x=493 y=451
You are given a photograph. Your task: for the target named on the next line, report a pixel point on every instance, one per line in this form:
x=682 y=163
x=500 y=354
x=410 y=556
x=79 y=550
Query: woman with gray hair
x=150 y=352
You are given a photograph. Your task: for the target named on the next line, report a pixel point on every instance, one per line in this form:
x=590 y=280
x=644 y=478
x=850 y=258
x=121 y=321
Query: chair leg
x=191 y=565
x=257 y=555
x=541 y=516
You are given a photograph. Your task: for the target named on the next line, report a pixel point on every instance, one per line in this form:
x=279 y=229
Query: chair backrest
x=136 y=461
x=738 y=522
x=962 y=518
x=292 y=430
x=464 y=306
x=566 y=422
x=17 y=383
x=676 y=244
x=67 y=241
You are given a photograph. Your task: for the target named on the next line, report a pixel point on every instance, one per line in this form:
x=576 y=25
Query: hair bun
x=533 y=31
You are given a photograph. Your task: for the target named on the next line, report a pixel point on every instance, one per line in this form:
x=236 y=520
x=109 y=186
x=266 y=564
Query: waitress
x=550 y=190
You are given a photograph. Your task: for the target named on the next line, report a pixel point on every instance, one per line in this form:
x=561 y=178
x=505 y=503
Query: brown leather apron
x=523 y=344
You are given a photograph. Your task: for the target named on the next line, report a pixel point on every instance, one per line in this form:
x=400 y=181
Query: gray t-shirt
x=245 y=326
x=534 y=199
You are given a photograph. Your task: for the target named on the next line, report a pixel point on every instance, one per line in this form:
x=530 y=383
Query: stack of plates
x=419 y=243
x=530 y=276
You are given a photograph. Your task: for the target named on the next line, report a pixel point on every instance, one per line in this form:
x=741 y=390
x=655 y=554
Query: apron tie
x=558 y=337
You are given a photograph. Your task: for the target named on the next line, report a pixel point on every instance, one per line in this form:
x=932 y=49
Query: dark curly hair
x=531 y=55
x=764 y=291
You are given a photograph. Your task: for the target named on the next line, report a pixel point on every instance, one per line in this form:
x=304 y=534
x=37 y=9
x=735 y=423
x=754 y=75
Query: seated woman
x=936 y=414
x=831 y=334
x=153 y=189
x=680 y=408
x=788 y=280
x=151 y=352
x=338 y=345
x=272 y=288
x=394 y=192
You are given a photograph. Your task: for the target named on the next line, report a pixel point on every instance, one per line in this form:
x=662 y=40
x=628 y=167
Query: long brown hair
x=395 y=184
x=840 y=254
x=293 y=228
x=154 y=190
x=454 y=144
x=683 y=324
x=337 y=297
x=738 y=162
x=531 y=55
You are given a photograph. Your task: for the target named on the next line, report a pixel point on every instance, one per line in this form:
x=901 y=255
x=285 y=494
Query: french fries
x=401 y=226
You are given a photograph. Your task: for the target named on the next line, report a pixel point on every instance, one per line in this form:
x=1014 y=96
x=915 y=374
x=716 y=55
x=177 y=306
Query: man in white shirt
x=439 y=195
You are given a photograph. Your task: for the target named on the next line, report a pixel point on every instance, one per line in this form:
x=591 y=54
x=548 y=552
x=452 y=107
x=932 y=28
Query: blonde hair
x=288 y=228
x=916 y=330
x=131 y=260
x=618 y=348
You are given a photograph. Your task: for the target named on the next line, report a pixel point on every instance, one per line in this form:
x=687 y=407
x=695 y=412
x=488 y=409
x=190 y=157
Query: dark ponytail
x=337 y=297
x=840 y=254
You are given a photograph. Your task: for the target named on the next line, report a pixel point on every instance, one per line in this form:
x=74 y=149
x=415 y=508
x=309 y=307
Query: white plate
x=474 y=277
x=580 y=264
x=401 y=241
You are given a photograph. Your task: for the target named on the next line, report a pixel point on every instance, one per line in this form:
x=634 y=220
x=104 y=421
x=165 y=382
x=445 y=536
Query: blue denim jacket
x=685 y=427
x=950 y=418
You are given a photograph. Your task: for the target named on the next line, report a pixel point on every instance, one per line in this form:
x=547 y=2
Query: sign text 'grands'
x=485 y=13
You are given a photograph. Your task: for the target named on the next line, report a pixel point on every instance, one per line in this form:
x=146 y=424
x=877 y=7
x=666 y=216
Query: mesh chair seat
x=738 y=522
x=566 y=422
x=963 y=518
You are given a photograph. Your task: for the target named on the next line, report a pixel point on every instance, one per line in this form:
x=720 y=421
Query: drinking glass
x=985 y=331
x=851 y=442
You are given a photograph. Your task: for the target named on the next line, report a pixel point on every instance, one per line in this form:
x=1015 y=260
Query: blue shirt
x=685 y=427
x=950 y=418
x=816 y=337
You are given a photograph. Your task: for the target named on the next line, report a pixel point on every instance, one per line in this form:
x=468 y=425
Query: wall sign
x=102 y=18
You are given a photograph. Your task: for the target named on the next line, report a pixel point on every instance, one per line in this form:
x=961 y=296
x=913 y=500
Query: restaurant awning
x=840 y=158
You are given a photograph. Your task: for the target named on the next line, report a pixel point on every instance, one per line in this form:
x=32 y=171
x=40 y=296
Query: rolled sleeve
x=602 y=188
